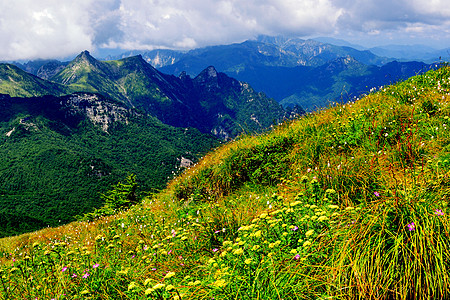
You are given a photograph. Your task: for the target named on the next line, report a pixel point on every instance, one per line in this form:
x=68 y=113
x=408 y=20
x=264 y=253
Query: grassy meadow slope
x=350 y=202
x=18 y=83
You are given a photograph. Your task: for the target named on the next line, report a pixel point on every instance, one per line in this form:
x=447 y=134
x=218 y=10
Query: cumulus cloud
x=47 y=28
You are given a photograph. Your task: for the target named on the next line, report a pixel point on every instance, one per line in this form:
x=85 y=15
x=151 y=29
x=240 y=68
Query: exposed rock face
x=101 y=113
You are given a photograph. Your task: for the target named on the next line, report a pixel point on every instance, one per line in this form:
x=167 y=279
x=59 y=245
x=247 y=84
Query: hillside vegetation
x=350 y=202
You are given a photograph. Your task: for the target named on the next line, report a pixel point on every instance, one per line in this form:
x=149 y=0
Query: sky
x=31 y=29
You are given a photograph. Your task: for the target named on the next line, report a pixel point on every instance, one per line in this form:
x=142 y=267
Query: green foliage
x=54 y=167
x=121 y=196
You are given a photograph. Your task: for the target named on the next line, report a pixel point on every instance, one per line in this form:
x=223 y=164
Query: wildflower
x=306 y=243
x=64 y=269
x=309 y=232
x=220 y=283
x=297 y=257
x=322 y=218
x=86 y=275
x=376 y=194
x=95 y=266
x=74 y=275
x=215 y=250
x=170 y=274
x=255 y=247
x=294 y=228
x=149 y=291
x=248 y=261
x=411 y=226
x=258 y=234
x=159 y=286
x=439 y=212
x=132 y=285
x=238 y=251
x=169 y=287
x=293 y=251
x=147 y=281
x=333 y=206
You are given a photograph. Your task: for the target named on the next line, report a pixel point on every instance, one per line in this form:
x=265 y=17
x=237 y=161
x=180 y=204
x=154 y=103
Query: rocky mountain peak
x=208 y=77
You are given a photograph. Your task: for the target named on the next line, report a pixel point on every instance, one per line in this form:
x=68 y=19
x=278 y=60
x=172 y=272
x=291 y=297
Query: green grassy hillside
x=18 y=83
x=346 y=203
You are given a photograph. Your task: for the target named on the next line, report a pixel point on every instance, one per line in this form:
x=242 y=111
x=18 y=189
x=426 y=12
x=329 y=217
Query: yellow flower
x=132 y=285
x=170 y=274
x=147 y=281
x=293 y=251
x=309 y=232
x=149 y=291
x=238 y=251
x=159 y=286
x=285 y=233
x=322 y=218
x=306 y=243
x=263 y=215
x=220 y=283
x=248 y=261
x=255 y=247
x=332 y=206
x=169 y=287
x=258 y=234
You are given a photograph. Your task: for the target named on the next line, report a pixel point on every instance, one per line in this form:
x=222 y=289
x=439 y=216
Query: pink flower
x=215 y=250
x=376 y=194
x=411 y=226
x=297 y=257
x=294 y=228
x=86 y=275
x=439 y=212
x=95 y=266
x=74 y=275
x=64 y=269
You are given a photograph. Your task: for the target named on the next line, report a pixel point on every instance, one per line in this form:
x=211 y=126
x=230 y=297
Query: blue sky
x=31 y=29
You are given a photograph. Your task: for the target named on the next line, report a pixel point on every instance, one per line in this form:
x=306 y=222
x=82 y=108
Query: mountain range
x=293 y=71
x=65 y=141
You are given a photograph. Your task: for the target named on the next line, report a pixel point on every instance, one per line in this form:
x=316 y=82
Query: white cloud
x=48 y=28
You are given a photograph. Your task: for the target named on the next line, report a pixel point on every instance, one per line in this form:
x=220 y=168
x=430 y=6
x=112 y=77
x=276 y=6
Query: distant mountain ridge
x=290 y=70
x=212 y=101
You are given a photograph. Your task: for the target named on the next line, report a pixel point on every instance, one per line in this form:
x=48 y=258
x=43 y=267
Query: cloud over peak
x=43 y=29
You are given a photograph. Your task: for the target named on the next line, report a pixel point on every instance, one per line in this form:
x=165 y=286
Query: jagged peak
x=85 y=56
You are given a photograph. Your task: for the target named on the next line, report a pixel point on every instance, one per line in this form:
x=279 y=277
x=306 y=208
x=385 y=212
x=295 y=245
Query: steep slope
x=17 y=83
x=58 y=154
x=349 y=202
